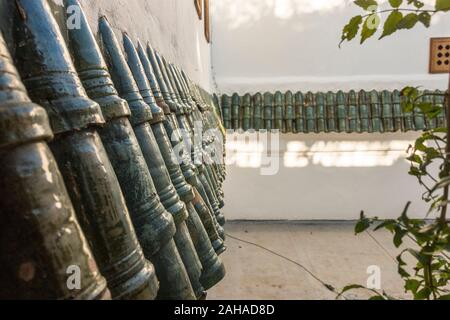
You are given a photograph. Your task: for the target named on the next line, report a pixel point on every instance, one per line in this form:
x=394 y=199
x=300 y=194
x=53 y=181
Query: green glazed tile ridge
x=363 y=111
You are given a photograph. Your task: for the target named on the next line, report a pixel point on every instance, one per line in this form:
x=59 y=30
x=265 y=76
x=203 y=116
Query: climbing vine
x=429 y=157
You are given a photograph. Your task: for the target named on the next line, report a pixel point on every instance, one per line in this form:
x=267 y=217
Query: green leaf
x=386 y=224
x=351 y=29
x=440 y=130
x=351 y=287
x=434 y=112
x=370 y=26
x=395 y=3
x=425 y=18
x=407 y=106
x=404 y=216
x=398 y=237
x=362 y=225
x=415 y=158
x=410 y=92
x=420 y=144
x=423 y=294
x=442 y=5
x=444 y=297
x=413 y=171
x=418 y=4
x=425 y=106
x=430 y=110
x=412 y=285
x=408 y=21
x=365 y=4
x=390 y=26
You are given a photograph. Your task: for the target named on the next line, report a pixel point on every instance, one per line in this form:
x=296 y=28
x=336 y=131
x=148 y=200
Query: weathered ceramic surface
x=47 y=71
x=299 y=103
x=203 y=113
x=212 y=121
x=289 y=112
x=278 y=111
x=200 y=200
x=216 y=171
x=141 y=80
x=236 y=111
x=387 y=111
x=216 y=104
x=246 y=112
x=177 y=139
x=128 y=89
x=343 y=112
x=213 y=269
x=40 y=238
x=185 y=124
x=226 y=111
x=210 y=273
x=120 y=138
x=154 y=226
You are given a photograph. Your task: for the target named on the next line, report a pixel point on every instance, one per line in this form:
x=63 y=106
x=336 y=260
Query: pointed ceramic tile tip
x=140 y=77
x=153 y=72
x=182 y=109
x=150 y=74
x=163 y=81
x=92 y=68
x=121 y=74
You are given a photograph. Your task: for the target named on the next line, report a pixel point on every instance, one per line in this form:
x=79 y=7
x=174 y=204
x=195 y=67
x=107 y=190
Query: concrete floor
x=330 y=250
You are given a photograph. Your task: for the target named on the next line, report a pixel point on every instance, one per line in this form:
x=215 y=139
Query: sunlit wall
x=293 y=44
x=320 y=177
x=269 y=45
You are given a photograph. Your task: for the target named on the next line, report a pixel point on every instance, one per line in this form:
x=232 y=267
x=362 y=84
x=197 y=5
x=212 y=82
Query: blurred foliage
x=429 y=157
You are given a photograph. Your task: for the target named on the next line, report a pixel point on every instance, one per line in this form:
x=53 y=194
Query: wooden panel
x=198 y=7
x=207 y=22
x=439 y=55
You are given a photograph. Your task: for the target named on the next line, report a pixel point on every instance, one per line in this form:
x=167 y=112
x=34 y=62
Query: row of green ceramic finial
x=94 y=204
x=346 y=112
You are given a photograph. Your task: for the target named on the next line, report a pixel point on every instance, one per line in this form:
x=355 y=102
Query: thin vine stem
x=443 y=217
x=400 y=9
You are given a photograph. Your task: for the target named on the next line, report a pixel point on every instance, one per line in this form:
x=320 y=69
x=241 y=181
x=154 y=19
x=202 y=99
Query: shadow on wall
x=281 y=42
x=330 y=176
x=339 y=154
x=259 y=150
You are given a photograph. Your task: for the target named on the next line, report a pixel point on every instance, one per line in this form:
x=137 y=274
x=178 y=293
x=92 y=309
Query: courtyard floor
x=274 y=261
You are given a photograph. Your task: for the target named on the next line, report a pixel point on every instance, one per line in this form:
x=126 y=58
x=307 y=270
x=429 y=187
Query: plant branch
x=443 y=217
x=399 y=9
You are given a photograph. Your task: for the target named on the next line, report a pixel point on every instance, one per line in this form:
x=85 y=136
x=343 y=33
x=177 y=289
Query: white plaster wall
x=269 y=45
x=263 y=45
x=322 y=177
x=171 y=26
